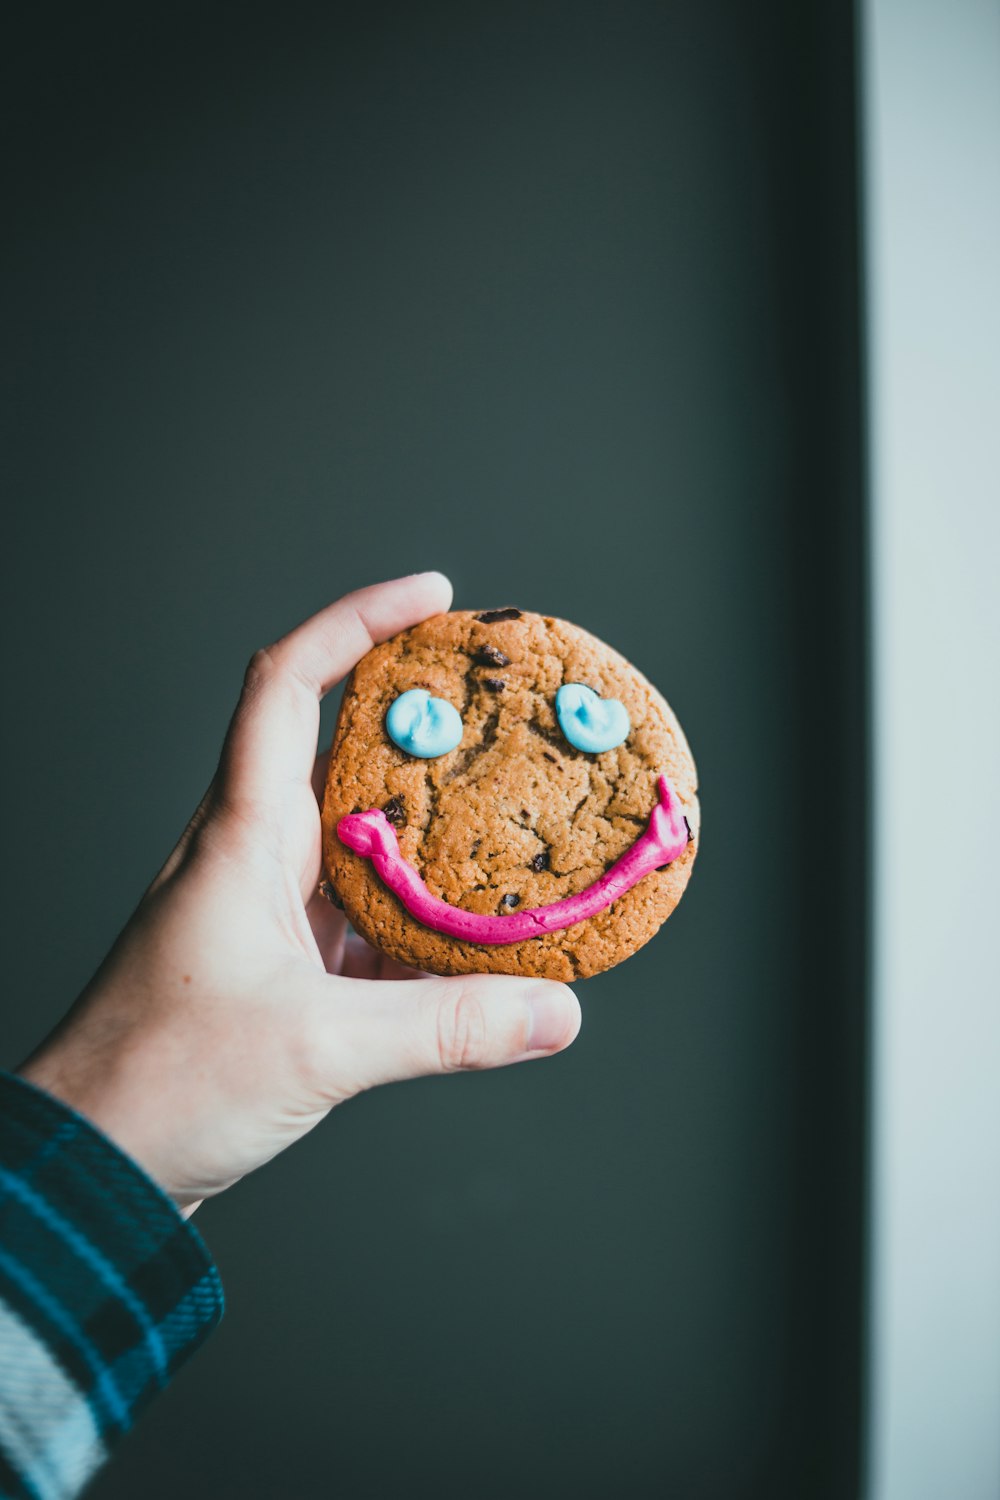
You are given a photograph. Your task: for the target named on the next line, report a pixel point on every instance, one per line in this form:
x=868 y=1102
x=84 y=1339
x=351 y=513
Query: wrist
x=92 y=1087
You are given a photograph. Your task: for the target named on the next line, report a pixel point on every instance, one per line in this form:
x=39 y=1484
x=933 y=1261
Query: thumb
x=394 y=1031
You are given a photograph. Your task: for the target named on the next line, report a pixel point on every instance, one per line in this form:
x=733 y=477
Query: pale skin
x=234 y=1011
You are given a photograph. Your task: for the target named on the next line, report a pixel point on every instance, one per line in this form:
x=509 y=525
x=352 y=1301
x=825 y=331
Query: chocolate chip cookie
x=507 y=794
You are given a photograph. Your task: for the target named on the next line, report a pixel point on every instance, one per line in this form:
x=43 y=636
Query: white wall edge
x=930 y=100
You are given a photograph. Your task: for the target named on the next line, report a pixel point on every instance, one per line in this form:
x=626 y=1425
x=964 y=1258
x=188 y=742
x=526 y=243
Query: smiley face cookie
x=507 y=794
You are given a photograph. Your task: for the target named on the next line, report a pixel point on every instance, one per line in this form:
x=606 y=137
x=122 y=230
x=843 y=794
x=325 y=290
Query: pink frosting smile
x=371 y=835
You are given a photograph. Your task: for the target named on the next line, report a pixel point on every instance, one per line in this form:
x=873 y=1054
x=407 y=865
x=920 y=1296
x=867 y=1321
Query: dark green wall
x=560 y=298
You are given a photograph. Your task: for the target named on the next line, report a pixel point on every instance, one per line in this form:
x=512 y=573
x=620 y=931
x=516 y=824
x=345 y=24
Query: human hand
x=234 y=1012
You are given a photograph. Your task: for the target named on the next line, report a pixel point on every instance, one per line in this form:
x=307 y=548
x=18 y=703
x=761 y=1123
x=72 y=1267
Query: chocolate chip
x=490 y=616
x=541 y=860
x=492 y=656
x=494 y=684
x=553 y=736
x=395 y=811
x=475 y=849
x=687 y=825
x=510 y=901
x=327 y=890
x=554 y=759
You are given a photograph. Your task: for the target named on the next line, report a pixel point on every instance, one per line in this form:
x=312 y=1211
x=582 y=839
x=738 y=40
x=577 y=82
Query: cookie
x=507 y=794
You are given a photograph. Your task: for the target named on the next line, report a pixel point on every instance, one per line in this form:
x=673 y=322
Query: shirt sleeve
x=104 y=1292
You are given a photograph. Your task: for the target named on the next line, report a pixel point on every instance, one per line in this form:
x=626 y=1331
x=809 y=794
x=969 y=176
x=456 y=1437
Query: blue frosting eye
x=589 y=722
x=422 y=725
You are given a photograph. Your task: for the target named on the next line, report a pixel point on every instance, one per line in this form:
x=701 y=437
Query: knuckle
x=275 y=665
x=462 y=1033
x=260 y=668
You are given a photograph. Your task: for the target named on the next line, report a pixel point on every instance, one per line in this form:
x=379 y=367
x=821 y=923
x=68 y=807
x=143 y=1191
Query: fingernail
x=552 y=1013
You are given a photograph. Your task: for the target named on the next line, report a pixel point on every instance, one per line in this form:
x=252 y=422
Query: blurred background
x=563 y=299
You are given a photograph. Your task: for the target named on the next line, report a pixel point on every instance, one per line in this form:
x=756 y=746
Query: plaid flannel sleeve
x=104 y=1292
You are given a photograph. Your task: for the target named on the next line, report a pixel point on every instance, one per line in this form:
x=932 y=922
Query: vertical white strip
x=931 y=133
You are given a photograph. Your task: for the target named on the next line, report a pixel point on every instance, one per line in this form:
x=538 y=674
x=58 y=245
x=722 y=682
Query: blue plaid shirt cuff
x=104 y=1292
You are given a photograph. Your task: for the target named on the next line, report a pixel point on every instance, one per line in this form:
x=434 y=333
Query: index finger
x=273 y=734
